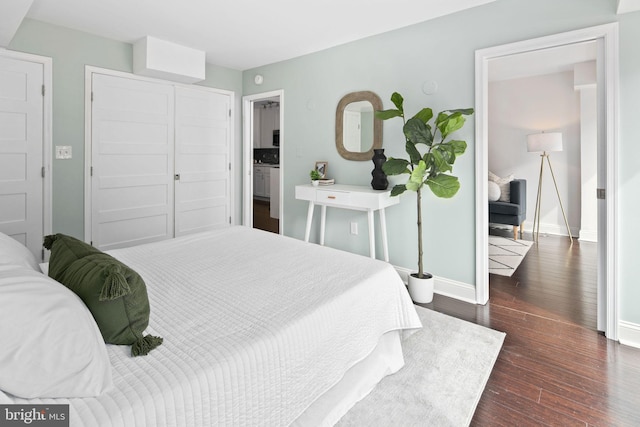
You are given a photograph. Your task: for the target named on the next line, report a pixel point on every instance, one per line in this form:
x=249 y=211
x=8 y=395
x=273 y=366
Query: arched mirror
x=358 y=132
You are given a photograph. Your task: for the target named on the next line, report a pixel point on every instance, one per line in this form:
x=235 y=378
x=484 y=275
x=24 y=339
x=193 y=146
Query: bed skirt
x=385 y=359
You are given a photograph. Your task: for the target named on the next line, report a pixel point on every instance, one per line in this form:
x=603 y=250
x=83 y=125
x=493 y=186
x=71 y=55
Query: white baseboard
x=555 y=229
x=629 y=334
x=447 y=287
x=589 y=235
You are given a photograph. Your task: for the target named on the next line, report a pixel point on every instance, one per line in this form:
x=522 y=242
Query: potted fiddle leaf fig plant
x=431 y=154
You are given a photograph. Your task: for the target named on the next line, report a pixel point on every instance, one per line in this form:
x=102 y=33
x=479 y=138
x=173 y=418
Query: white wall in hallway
x=520 y=107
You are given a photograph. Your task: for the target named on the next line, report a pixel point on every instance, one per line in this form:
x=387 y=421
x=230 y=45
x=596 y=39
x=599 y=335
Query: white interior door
x=132 y=159
x=202 y=190
x=21 y=152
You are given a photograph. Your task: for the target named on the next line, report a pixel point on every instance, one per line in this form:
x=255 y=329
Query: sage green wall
x=441 y=50
x=71 y=50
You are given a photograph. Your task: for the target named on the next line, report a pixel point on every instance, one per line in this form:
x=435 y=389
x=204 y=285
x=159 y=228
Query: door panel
x=202 y=192
x=132 y=155
x=21 y=152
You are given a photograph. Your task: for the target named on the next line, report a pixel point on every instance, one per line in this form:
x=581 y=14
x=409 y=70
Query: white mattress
x=256 y=327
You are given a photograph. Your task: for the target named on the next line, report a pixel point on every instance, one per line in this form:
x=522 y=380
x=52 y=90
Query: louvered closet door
x=202 y=160
x=21 y=152
x=133 y=159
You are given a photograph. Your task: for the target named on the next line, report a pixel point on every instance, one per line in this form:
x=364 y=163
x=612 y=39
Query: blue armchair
x=513 y=212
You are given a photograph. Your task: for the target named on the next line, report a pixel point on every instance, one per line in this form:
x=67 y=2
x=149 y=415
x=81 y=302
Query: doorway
x=263 y=126
x=606 y=37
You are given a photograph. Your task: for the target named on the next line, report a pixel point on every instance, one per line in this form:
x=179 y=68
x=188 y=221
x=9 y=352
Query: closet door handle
x=177 y=177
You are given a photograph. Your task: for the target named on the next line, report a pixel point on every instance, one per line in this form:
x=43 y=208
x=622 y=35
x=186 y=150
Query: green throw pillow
x=115 y=294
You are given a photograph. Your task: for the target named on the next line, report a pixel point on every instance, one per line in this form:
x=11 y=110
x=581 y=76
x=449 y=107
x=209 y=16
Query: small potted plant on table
x=315 y=176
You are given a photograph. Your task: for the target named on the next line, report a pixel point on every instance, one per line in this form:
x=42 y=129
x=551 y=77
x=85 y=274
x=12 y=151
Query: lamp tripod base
x=536 y=217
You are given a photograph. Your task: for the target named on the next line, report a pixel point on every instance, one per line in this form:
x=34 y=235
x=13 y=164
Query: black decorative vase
x=379 y=181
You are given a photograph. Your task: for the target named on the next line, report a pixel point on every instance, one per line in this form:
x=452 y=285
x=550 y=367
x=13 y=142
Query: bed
x=259 y=330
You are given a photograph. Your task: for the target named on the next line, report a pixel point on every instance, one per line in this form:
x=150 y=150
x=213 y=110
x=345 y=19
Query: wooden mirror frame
x=377 y=125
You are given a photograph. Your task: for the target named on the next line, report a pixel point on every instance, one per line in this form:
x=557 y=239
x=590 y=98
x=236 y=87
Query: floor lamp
x=545 y=142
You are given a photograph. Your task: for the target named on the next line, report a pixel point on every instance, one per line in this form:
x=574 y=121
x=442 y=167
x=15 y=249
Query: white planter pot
x=315 y=183
x=421 y=290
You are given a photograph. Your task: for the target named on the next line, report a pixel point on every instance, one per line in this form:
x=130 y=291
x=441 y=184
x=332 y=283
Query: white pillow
x=494 y=191
x=50 y=345
x=15 y=253
x=505 y=185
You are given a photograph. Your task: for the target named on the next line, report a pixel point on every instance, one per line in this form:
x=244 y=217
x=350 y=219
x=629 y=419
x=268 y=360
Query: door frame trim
x=609 y=34
x=47 y=132
x=247 y=150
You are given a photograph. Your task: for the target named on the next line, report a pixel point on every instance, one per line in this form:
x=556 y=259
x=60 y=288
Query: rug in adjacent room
x=447 y=365
x=505 y=255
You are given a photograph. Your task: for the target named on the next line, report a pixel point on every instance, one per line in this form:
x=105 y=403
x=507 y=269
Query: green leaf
x=417 y=177
x=424 y=115
x=440 y=161
x=413 y=152
x=397 y=100
x=445 y=186
x=450 y=124
x=447 y=152
x=398 y=190
x=464 y=111
x=459 y=147
x=395 y=166
x=417 y=132
x=387 y=114
x=428 y=160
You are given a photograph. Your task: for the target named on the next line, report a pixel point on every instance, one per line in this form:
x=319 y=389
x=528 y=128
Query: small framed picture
x=321 y=167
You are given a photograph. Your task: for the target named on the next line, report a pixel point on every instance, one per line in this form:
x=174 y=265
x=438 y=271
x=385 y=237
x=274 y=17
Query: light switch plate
x=63 y=152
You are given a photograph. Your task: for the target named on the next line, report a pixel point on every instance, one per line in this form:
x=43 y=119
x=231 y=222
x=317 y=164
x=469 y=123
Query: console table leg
x=307 y=230
x=383 y=232
x=323 y=222
x=372 y=235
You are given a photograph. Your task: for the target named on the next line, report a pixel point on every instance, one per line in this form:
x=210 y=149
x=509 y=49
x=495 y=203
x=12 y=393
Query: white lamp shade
x=544 y=142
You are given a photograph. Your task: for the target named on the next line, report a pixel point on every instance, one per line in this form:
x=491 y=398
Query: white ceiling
x=242 y=34
x=11 y=15
x=626 y=6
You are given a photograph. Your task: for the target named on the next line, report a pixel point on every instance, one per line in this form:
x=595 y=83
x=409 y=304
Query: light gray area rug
x=447 y=365
x=505 y=255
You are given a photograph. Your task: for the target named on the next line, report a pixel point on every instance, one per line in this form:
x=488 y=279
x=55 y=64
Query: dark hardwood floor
x=554 y=369
x=262 y=218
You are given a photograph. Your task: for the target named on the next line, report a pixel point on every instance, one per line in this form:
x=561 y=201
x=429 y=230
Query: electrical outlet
x=354 y=228
x=63 y=152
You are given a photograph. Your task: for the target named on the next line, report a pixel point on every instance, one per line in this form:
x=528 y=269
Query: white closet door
x=202 y=160
x=21 y=152
x=133 y=160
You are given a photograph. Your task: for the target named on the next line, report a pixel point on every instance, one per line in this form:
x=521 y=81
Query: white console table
x=352 y=197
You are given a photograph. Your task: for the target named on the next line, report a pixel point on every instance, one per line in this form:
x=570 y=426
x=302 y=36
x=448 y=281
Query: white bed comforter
x=256 y=326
